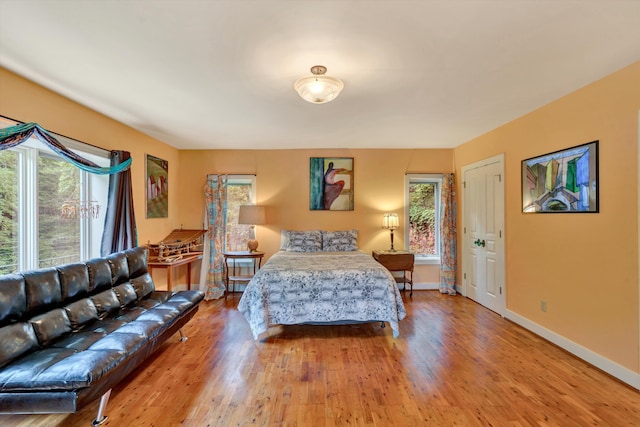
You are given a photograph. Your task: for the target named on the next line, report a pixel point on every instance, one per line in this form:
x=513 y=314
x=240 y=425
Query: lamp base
x=392 y=249
x=252 y=245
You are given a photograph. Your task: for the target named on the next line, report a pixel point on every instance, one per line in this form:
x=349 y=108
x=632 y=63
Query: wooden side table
x=398 y=261
x=188 y=260
x=233 y=274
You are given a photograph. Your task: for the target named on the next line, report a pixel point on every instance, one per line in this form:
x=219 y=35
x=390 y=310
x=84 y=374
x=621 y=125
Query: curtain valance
x=16 y=135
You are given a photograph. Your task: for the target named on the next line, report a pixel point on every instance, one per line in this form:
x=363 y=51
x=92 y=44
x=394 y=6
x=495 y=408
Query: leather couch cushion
x=137 y=258
x=78 y=370
x=22 y=374
x=119 y=268
x=43 y=290
x=74 y=281
x=126 y=294
x=13 y=299
x=105 y=303
x=149 y=329
x=143 y=285
x=81 y=312
x=159 y=314
x=123 y=342
x=16 y=340
x=99 y=274
x=51 y=326
x=79 y=341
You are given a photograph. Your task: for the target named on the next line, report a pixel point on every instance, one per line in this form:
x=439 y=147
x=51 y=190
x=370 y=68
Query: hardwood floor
x=454 y=364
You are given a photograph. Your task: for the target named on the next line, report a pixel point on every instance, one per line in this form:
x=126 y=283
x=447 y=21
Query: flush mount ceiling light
x=318 y=88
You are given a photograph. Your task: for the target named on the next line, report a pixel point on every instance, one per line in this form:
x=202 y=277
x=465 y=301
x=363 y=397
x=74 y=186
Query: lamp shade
x=318 y=88
x=251 y=214
x=390 y=221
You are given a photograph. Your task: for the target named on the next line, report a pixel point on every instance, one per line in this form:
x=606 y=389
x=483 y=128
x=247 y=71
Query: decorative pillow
x=340 y=241
x=284 y=239
x=304 y=241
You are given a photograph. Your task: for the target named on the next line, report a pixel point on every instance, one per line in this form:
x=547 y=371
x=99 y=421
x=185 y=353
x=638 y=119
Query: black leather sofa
x=69 y=334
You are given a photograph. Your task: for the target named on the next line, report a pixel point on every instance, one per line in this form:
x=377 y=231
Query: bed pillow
x=340 y=241
x=304 y=241
x=284 y=239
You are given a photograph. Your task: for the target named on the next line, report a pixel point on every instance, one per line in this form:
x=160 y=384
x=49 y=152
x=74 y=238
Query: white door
x=483 y=233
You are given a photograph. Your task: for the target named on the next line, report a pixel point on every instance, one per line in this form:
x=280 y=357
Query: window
x=240 y=191
x=51 y=212
x=422 y=214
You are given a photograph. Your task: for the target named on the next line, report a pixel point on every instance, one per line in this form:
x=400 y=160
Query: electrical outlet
x=543 y=306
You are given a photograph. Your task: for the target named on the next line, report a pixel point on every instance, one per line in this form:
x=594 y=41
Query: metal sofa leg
x=101 y=418
x=183 y=337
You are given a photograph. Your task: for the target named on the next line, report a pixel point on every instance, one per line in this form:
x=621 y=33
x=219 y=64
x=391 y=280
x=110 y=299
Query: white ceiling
x=220 y=73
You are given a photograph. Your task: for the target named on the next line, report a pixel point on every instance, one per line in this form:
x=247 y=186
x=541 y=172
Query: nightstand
x=398 y=261
x=234 y=274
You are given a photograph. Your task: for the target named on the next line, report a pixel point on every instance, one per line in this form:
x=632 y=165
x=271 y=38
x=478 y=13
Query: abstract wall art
x=331 y=183
x=157 y=187
x=562 y=181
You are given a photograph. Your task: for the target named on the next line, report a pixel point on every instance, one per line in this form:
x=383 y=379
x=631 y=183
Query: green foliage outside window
x=237 y=234
x=58 y=238
x=8 y=212
x=422 y=218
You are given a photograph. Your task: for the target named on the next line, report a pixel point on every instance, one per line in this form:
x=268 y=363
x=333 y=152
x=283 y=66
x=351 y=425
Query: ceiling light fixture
x=318 y=88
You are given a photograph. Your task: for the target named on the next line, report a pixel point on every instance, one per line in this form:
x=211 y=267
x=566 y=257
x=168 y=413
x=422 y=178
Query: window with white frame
x=422 y=216
x=240 y=191
x=51 y=212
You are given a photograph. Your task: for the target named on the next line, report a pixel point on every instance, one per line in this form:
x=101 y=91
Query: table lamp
x=252 y=215
x=390 y=222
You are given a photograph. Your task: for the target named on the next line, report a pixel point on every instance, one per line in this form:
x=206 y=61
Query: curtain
x=215 y=196
x=15 y=135
x=120 y=230
x=448 y=235
x=120 y=222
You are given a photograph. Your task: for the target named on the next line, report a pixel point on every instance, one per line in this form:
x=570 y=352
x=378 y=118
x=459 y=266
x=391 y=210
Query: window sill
x=423 y=260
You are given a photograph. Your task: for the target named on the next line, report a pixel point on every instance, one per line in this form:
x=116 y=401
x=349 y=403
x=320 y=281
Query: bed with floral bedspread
x=321 y=287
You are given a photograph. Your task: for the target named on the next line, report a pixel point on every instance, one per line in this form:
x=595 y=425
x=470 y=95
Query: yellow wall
x=25 y=101
x=283 y=187
x=584 y=265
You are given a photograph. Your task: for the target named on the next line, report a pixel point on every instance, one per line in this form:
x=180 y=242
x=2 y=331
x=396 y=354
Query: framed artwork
x=562 y=181
x=331 y=183
x=157 y=175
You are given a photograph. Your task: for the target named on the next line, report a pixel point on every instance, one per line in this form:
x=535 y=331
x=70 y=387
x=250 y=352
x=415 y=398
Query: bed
x=322 y=279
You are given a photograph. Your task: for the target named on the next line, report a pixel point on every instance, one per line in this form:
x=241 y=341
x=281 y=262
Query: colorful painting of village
x=563 y=181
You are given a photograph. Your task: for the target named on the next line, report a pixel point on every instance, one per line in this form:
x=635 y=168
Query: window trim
x=27 y=176
x=239 y=179
x=429 y=178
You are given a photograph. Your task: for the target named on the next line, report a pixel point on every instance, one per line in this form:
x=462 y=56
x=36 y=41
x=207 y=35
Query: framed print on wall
x=331 y=183
x=157 y=187
x=565 y=181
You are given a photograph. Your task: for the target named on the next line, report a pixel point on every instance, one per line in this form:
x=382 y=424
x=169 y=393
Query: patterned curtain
x=448 y=235
x=215 y=196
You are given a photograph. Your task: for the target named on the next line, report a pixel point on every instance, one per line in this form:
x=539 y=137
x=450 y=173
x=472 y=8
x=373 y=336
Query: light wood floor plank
x=454 y=364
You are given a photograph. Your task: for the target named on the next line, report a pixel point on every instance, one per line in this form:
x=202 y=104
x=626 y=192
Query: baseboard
x=425 y=286
x=612 y=368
